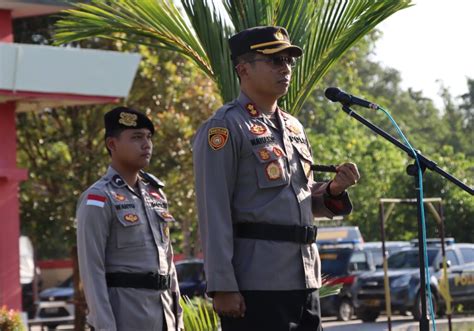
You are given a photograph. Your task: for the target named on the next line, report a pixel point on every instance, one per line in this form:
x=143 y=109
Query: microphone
x=336 y=95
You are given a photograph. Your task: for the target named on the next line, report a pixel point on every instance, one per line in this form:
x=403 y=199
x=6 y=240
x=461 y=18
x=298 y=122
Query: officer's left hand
x=346 y=176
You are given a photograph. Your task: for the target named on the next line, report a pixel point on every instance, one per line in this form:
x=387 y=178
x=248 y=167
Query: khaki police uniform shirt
x=248 y=169
x=120 y=230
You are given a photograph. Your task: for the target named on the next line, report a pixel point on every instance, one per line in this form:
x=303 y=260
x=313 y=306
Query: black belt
x=293 y=233
x=150 y=280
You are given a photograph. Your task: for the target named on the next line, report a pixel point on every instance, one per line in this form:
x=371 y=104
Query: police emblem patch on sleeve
x=217 y=137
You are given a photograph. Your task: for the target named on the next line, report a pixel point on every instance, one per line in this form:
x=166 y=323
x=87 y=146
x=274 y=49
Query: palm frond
x=325 y=29
x=198 y=315
x=158 y=20
x=213 y=34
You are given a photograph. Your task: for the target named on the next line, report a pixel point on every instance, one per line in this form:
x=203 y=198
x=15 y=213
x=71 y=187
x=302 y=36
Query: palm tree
x=325 y=29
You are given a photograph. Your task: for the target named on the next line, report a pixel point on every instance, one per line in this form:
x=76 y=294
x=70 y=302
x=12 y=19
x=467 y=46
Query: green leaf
x=325 y=29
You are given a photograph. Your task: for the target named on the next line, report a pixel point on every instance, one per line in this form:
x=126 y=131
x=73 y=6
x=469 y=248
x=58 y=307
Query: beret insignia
x=128 y=119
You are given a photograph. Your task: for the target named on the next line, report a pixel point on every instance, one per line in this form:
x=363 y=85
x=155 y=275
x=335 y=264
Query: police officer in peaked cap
x=124 y=247
x=257 y=198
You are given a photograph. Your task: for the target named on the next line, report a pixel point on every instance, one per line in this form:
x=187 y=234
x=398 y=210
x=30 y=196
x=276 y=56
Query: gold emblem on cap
x=128 y=119
x=279 y=35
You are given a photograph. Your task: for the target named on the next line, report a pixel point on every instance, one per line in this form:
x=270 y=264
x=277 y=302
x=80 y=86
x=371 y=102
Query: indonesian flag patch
x=96 y=200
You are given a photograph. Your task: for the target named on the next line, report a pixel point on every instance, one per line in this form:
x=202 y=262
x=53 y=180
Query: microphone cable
x=423 y=221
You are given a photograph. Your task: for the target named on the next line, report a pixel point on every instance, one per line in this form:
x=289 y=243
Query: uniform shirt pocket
x=271 y=167
x=130 y=228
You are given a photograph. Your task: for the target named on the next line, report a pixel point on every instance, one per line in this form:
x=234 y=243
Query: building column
x=10 y=177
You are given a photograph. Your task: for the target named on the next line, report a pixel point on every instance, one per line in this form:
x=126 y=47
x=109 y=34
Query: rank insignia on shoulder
x=131 y=218
x=119 y=197
x=273 y=170
x=278 y=152
x=252 y=110
x=217 y=137
x=95 y=200
x=264 y=154
x=258 y=129
x=118 y=181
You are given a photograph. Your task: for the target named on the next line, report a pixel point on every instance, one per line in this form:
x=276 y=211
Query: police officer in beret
x=256 y=196
x=124 y=247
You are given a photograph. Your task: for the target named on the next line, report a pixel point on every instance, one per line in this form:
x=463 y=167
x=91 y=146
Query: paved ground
x=399 y=323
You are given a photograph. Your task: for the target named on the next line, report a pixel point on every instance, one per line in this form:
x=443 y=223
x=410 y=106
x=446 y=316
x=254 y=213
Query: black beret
x=262 y=39
x=121 y=118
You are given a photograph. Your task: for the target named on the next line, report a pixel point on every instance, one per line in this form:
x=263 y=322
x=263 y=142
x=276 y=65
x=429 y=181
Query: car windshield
x=377 y=253
x=334 y=262
x=68 y=282
x=409 y=259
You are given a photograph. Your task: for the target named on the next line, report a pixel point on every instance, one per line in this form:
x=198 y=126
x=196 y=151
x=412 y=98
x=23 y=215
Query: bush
x=10 y=320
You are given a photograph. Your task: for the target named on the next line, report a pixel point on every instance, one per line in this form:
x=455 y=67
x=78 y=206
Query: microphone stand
x=425 y=163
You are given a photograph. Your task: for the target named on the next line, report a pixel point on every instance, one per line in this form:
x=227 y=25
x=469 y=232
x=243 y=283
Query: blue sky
x=430 y=41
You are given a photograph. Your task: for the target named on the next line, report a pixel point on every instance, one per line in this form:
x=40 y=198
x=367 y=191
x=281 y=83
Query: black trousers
x=277 y=311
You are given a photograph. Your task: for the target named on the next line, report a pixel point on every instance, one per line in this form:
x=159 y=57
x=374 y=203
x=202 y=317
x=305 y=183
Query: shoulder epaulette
x=221 y=112
x=153 y=180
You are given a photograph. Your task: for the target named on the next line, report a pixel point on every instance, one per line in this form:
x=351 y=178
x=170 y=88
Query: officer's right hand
x=229 y=304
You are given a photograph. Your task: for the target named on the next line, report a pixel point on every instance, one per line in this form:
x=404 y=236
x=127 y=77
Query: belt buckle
x=309 y=234
x=164 y=282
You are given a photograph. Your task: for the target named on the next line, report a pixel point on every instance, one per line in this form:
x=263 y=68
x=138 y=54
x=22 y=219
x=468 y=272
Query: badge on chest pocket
x=130 y=226
x=271 y=167
x=165 y=219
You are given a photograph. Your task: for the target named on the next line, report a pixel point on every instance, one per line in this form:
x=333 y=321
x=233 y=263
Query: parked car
x=56 y=305
x=192 y=281
x=404 y=279
x=339 y=235
x=375 y=247
x=341 y=264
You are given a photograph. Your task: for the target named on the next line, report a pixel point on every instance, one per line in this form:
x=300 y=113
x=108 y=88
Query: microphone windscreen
x=332 y=93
